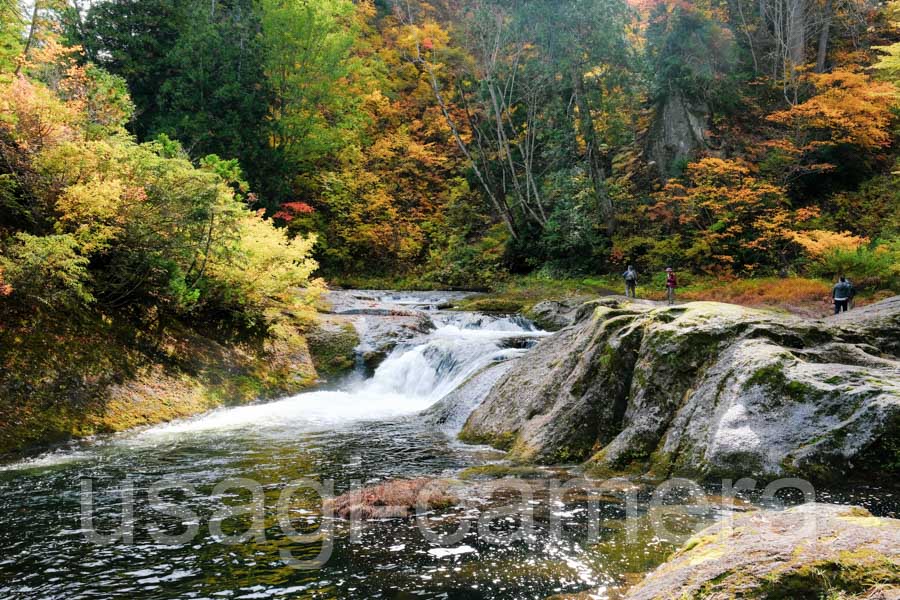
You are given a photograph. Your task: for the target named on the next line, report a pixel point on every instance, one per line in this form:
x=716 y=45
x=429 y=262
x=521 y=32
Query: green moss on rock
x=333 y=347
x=497 y=471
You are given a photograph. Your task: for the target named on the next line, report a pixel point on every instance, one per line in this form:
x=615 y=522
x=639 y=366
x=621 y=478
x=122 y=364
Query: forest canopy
x=158 y=152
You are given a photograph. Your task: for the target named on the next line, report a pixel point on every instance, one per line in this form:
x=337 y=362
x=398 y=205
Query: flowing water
x=363 y=431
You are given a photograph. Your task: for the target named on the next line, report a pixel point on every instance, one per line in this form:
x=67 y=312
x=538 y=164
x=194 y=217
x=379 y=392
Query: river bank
x=70 y=379
x=800 y=296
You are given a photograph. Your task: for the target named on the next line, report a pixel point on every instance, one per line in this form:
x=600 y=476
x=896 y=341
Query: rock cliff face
x=678 y=133
x=810 y=551
x=705 y=390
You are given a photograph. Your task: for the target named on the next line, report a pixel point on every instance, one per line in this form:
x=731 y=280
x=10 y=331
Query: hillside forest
x=204 y=160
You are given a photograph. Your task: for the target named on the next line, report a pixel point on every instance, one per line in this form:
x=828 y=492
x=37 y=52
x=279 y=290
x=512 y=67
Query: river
x=363 y=430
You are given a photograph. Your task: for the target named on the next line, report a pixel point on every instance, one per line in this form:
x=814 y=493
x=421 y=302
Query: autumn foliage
x=92 y=220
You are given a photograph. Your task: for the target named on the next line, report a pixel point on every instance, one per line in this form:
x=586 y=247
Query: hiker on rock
x=630 y=282
x=841 y=294
x=671 y=284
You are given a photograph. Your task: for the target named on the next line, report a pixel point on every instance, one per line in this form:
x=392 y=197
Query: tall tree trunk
x=592 y=152
x=32 y=32
x=498 y=200
x=796 y=33
x=824 y=34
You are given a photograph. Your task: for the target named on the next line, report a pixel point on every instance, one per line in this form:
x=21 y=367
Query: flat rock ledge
x=813 y=551
x=703 y=390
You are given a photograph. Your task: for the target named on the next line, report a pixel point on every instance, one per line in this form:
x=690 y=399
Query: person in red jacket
x=671 y=284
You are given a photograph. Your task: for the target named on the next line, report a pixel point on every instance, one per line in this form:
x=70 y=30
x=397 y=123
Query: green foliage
x=691 y=53
x=874 y=267
x=10 y=36
x=195 y=70
x=307 y=49
x=47 y=270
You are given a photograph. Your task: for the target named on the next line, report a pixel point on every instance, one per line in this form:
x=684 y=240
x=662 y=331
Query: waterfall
x=417 y=374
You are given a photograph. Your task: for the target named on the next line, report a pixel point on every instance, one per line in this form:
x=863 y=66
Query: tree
x=195 y=69
x=307 y=48
x=848 y=108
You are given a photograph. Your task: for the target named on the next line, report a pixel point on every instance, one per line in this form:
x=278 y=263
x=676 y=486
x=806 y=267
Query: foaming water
x=309 y=411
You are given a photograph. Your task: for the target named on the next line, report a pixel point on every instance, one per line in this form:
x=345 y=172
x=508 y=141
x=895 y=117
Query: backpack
x=630 y=276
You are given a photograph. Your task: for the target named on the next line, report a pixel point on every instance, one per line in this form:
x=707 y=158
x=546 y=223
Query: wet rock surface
x=399 y=498
x=809 y=551
x=705 y=390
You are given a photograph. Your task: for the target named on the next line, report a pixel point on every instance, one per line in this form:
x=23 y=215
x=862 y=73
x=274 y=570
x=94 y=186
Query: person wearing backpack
x=841 y=295
x=630 y=282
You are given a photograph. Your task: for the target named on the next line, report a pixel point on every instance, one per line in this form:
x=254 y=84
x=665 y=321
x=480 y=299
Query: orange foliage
x=5 y=288
x=795 y=294
x=849 y=108
x=725 y=209
x=35 y=116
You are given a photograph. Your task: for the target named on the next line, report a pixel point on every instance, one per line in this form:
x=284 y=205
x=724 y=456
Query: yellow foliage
x=93 y=212
x=818 y=242
x=268 y=268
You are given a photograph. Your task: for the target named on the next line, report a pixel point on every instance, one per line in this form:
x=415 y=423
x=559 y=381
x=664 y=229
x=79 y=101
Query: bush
x=875 y=266
x=46 y=270
x=101 y=218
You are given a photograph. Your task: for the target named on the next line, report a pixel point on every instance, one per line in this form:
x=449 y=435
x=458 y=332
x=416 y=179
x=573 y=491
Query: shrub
x=46 y=270
x=875 y=266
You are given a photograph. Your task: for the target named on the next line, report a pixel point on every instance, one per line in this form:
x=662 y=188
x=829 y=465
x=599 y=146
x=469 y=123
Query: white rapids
x=416 y=375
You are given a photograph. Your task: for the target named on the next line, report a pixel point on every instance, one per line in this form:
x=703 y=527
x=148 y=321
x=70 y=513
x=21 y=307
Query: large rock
x=553 y=315
x=811 y=551
x=332 y=343
x=704 y=390
x=678 y=133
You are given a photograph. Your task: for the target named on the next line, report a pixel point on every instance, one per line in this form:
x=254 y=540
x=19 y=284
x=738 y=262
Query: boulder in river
x=810 y=551
x=705 y=390
x=393 y=499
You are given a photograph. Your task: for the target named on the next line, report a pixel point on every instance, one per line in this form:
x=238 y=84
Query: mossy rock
x=333 y=344
x=809 y=552
x=496 y=471
x=492 y=305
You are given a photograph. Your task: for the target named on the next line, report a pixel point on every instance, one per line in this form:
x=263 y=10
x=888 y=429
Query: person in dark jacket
x=671 y=284
x=630 y=282
x=841 y=294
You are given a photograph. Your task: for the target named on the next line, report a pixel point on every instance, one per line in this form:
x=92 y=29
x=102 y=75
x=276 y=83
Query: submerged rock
x=393 y=499
x=810 y=551
x=705 y=389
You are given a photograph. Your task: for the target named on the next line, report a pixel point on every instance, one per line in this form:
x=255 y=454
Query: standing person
x=671 y=284
x=630 y=282
x=841 y=295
